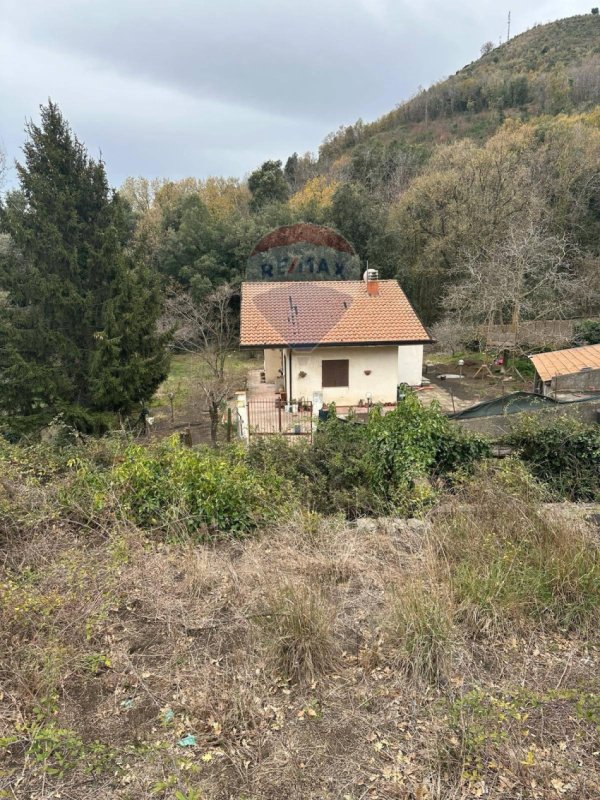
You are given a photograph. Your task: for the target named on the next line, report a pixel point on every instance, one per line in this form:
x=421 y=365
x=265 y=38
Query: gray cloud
x=204 y=88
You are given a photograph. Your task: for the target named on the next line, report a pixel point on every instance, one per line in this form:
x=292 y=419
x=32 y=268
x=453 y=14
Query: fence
x=535 y=333
x=269 y=416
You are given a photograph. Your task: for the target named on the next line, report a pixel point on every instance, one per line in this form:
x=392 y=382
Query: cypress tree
x=78 y=318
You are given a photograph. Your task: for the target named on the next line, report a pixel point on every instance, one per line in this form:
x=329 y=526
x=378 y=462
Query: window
x=335 y=372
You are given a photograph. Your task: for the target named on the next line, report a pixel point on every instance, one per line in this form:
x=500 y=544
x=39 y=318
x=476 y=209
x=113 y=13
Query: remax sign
x=303 y=252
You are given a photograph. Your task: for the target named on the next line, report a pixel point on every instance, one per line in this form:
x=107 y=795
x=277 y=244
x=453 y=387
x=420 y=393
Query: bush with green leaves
x=374 y=468
x=587 y=332
x=330 y=475
x=415 y=442
x=173 y=488
x=562 y=452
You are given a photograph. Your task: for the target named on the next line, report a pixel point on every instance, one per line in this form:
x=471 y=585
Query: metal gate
x=271 y=416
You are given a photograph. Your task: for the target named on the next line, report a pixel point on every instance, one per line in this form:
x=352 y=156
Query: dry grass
x=420 y=628
x=320 y=660
x=298 y=626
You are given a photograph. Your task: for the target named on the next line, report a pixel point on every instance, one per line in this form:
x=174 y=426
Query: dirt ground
x=456 y=394
x=165 y=666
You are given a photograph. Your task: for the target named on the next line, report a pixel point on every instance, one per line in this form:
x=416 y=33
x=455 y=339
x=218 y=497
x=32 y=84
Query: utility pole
x=508 y=33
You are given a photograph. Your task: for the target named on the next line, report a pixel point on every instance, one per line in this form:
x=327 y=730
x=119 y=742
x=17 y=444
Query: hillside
x=549 y=69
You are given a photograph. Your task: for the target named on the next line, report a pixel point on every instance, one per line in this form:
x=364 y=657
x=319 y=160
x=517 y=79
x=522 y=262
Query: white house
x=347 y=342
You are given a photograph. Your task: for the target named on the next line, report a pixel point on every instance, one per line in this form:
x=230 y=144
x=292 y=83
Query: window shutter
x=335 y=372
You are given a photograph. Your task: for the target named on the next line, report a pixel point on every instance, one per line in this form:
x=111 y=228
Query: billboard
x=303 y=252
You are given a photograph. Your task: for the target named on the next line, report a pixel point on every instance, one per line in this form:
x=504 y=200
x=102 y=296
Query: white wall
x=272 y=365
x=386 y=366
x=410 y=364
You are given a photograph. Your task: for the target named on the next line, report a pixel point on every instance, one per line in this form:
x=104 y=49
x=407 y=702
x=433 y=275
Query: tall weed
x=511 y=561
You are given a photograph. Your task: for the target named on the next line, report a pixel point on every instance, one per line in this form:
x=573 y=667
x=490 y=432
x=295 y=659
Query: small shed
x=576 y=369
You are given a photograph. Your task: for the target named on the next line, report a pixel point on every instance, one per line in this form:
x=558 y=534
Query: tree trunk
x=213 y=411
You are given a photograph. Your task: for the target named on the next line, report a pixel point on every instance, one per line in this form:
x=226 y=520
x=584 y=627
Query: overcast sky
x=192 y=87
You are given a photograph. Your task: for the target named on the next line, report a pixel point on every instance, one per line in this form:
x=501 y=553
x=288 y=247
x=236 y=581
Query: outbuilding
x=573 y=370
x=351 y=343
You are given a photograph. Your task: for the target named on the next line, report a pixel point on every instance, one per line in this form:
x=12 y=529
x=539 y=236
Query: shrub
x=171 y=487
x=459 y=451
x=374 y=468
x=415 y=441
x=587 y=332
x=298 y=624
x=562 y=452
x=403 y=444
x=341 y=455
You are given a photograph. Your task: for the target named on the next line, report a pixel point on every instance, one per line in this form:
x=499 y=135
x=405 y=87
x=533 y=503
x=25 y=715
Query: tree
x=208 y=328
x=486 y=48
x=357 y=215
x=312 y=203
x=267 y=185
x=466 y=199
x=526 y=276
x=79 y=322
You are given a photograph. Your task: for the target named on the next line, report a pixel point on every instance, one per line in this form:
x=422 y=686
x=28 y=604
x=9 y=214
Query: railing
x=271 y=416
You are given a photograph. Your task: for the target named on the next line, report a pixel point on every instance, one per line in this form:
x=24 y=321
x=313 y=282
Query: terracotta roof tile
x=566 y=362
x=279 y=314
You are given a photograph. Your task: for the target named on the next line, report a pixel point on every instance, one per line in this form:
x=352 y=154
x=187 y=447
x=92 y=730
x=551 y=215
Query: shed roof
x=566 y=362
x=284 y=314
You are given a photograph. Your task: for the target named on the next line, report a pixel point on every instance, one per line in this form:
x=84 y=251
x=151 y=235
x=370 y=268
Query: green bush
x=331 y=475
x=172 y=487
x=340 y=452
x=374 y=468
x=561 y=451
x=458 y=451
x=403 y=445
x=587 y=332
x=415 y=442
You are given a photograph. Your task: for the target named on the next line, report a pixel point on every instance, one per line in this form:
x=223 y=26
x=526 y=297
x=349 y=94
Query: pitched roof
x=566 y=362
x=282 y=314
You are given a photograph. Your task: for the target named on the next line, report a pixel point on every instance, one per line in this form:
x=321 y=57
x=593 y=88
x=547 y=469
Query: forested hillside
x=499 y=164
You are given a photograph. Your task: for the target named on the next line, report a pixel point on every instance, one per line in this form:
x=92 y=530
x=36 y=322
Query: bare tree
x=528 y=275
x=207 y=327
x=452 y=336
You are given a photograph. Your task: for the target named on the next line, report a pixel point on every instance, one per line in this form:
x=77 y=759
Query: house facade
x=350 y=343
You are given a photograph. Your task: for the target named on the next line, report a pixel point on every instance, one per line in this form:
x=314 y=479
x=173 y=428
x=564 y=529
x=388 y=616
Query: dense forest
x=508 y=149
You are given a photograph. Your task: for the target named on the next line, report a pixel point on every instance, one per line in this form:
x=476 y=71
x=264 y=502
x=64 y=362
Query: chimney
x=371 y=277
